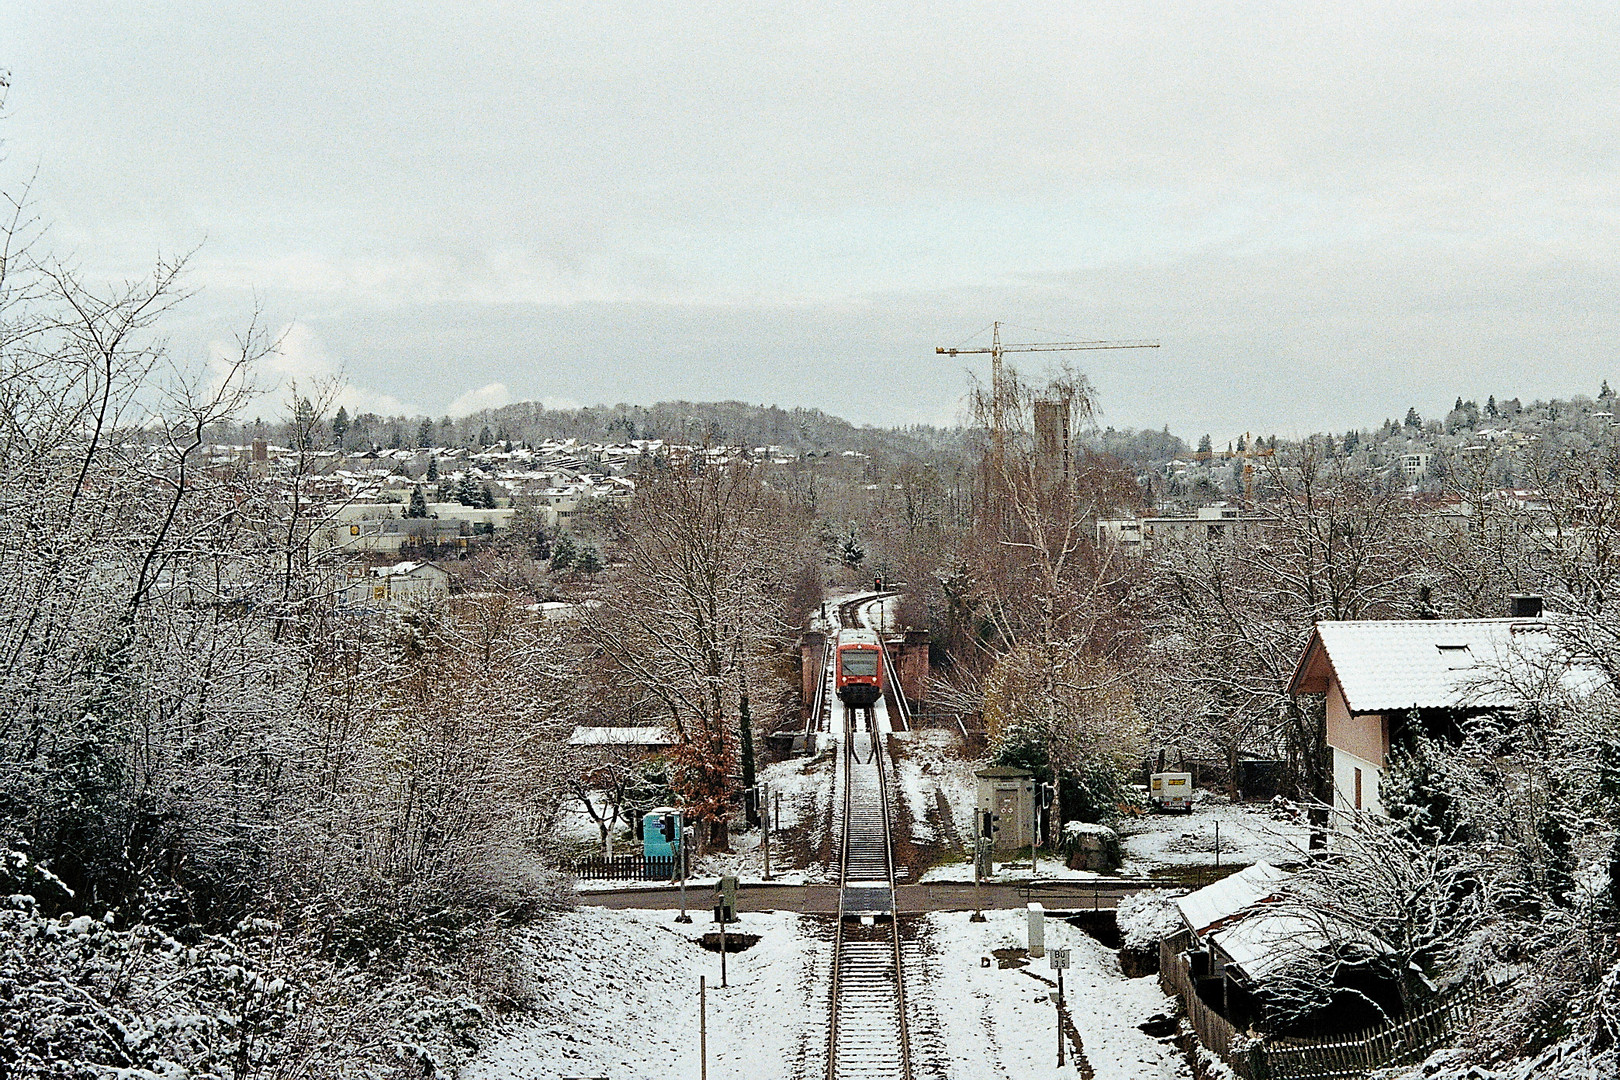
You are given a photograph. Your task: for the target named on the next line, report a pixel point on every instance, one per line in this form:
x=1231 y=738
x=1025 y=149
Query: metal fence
x=626 y=868
x=1405 y=1042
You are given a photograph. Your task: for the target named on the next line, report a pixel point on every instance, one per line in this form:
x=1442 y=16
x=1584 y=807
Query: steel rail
x=868 y=965
x=891 y=674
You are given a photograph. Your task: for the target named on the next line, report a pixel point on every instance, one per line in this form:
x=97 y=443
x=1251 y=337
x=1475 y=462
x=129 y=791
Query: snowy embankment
x=981 y=1021
x=615 y=993
x=937 y=786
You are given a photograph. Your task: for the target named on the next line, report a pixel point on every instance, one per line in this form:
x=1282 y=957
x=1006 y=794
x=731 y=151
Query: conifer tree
x=563 y=553
x=852 y=552
x=1416 y=792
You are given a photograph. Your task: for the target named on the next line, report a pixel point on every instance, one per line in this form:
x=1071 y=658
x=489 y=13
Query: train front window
x=860 y=664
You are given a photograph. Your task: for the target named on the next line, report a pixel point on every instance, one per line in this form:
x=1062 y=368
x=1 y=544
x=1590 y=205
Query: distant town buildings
x=1137 y=536
x=402 y=585
x=1416 y=467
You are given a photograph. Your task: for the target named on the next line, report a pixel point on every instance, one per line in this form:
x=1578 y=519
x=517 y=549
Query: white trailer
x=1171 y=791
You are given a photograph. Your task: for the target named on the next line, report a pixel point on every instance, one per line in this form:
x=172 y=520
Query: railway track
x=867 y=1037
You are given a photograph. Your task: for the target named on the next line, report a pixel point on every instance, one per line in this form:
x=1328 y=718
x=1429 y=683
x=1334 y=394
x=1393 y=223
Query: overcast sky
x=1326 y=212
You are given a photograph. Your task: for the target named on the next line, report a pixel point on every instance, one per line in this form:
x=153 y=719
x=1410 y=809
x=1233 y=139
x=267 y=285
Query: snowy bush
x=1146 y=917
x=83 y=997
x=1091 y=846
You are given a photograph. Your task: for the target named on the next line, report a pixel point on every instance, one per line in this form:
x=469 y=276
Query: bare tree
x=1229 y=617
x=695 y=616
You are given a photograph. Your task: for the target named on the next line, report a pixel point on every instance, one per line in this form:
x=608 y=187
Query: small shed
x=1010 y=793
x=661 y=830
x=1217 y=904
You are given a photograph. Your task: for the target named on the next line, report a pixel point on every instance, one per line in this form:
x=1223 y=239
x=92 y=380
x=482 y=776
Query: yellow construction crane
x=997 y=348
x=1252 y=448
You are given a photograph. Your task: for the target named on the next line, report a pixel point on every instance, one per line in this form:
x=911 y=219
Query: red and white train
x=859 y=674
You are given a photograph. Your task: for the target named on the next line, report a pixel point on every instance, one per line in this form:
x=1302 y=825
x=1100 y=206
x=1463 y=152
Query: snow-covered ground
x=1247 y=832
x=994 y=1023
x=616 y=994
x=930 y=766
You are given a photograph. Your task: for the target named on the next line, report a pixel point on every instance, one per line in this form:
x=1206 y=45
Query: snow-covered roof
x=1384 y=665
x=1214 y=904
x=620 y=736
x=1265 y=941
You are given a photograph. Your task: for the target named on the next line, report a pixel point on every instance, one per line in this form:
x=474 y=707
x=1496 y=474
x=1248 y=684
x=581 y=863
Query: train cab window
x=860 y=664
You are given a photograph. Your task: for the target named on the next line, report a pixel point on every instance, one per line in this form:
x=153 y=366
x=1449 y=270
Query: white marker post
x=1037 y=930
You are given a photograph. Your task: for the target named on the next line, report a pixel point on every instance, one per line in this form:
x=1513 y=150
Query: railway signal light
x=989 y=824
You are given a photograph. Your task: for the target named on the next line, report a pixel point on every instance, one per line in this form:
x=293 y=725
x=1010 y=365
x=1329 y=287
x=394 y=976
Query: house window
x=1358 y=789
x=1456 y=657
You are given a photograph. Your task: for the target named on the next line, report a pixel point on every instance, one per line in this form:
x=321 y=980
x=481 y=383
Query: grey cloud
x=1327 y=213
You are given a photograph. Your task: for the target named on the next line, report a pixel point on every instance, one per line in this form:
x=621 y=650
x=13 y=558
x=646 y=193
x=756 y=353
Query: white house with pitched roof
x=1376 y=675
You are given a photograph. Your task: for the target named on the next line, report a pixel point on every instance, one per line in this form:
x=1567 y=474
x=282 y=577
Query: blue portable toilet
x=654 y=843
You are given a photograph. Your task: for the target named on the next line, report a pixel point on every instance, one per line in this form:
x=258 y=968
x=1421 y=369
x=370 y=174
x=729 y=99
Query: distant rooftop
x=620 y=736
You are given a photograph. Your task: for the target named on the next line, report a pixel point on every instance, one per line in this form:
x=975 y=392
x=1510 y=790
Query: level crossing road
x=909 y=899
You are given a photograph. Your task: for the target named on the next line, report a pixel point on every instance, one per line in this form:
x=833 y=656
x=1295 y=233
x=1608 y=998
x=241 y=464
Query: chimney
x=1524 y=606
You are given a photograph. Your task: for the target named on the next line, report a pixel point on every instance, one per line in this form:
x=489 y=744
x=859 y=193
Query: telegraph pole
x=765 y=826
x=686 y=837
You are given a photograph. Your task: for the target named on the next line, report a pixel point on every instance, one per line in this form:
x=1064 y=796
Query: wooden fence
x=1406 y=1042
x=626 y=868
x=1214 y=1030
